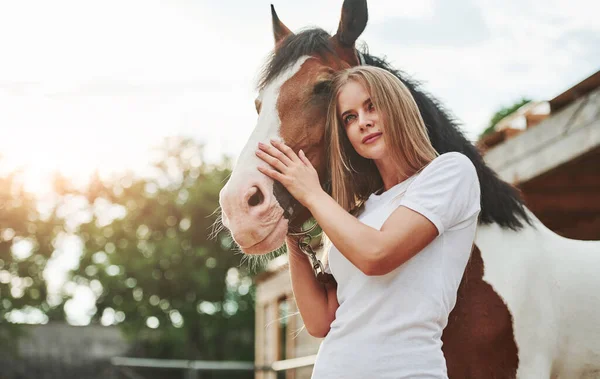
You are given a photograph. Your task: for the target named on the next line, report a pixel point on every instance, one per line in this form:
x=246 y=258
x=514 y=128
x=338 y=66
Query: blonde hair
x=354 y=178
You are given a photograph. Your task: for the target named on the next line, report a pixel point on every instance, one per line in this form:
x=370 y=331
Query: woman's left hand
x=293 y=171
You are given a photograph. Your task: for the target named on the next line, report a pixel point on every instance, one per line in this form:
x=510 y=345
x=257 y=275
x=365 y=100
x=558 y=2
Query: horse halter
x=304 y=245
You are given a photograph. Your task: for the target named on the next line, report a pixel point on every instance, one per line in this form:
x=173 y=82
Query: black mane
x=309 y=42
x=500 y=201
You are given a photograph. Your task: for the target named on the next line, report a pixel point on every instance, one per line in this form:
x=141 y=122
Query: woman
x=401 y=221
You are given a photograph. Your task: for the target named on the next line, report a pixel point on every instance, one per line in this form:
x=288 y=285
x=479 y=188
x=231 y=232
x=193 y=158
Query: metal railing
x=193 y=369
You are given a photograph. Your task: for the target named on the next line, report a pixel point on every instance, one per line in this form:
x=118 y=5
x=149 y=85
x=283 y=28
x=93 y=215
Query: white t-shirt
x=390 y=326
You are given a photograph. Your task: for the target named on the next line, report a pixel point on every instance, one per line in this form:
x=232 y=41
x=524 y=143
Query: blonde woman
x=401 y=222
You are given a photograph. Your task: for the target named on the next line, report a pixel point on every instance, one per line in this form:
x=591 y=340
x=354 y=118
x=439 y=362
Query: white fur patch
x=551 y=286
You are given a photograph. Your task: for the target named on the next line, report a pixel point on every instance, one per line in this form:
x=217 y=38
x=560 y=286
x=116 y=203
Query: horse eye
x=322 y=87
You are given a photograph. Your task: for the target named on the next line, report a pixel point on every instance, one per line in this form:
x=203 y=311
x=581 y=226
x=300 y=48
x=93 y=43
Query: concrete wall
x=564 y=136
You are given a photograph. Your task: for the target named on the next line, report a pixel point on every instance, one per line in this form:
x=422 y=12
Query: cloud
x=583 y=44
x=145 y=69
x=451 y=24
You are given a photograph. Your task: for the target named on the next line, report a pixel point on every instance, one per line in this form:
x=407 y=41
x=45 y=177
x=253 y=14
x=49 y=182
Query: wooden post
x=271 y=327
x=291 y=331
x=191 y=374
x=259 y=341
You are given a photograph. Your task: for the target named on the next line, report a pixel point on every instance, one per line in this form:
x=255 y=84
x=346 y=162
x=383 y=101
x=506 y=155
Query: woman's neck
x=390 y=174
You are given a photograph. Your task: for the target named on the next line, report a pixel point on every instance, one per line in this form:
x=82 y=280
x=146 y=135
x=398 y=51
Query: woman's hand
x=293 y=171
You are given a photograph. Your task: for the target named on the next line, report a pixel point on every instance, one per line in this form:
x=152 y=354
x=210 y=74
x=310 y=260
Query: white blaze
x=267 y=128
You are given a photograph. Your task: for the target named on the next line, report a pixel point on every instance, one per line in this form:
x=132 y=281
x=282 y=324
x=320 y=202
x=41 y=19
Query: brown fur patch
x=348 y=54
x=478 y=341
x=302 y=118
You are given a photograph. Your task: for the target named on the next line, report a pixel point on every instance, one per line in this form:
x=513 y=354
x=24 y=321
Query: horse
x=528 y=300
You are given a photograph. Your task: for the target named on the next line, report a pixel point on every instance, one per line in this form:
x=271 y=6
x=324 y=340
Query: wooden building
x=553 y=157
x=556 y=162
x=281 y=341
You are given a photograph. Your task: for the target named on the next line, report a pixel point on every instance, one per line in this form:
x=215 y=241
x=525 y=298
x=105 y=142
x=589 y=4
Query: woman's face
x=361 y=120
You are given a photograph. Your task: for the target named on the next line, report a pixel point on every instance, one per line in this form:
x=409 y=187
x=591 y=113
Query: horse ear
x=352 y=23
x=280 y=31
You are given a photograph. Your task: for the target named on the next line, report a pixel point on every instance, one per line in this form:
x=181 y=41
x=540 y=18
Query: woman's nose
x=365 y=121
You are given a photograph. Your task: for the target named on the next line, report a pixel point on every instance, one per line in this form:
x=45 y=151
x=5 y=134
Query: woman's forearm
x=316 y=302
x=359 y=243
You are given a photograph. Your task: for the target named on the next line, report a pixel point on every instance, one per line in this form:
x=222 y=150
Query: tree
x=27 y=240
x=149 y=256
x=502 y=113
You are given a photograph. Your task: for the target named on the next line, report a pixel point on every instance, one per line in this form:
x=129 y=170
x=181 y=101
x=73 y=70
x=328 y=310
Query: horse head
x=292 y=107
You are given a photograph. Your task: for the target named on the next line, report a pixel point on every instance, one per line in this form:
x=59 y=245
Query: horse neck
x=500 y=202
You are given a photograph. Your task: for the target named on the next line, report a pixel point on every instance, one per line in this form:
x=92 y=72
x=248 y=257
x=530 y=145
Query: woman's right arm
x=316 y=302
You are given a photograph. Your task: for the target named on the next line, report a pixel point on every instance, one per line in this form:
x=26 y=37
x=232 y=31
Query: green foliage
x=152 y=251
x=26 y=243
x=148 y=252
x=502 y=113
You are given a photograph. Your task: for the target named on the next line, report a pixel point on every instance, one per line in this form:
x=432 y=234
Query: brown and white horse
x=529 y=303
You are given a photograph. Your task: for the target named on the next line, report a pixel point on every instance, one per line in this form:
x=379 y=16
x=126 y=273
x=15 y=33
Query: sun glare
x=72 y=155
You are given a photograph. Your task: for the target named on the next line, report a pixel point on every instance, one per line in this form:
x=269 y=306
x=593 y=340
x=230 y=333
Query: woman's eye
x=371 y=107
x=348 y=119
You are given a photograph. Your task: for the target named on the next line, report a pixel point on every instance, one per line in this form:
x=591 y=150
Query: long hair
x=353 y=177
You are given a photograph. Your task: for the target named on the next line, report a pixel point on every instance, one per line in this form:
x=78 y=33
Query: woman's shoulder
x=452 y=156
x=452 y=161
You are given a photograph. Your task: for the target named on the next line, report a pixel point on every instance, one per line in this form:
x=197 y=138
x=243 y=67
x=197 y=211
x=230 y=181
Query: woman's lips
x=373 y=138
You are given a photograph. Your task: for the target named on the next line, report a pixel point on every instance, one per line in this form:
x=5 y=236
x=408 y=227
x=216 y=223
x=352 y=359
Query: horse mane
x=308 y=42
x=501 y=203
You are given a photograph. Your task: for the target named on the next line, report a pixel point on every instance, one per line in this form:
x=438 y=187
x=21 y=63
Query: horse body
x=527 y=304
x=548 y=284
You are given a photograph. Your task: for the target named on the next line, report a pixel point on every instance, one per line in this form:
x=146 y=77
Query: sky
x=88 y=85
x=95 y=84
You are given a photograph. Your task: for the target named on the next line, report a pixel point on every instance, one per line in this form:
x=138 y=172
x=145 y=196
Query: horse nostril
x=257 y=198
